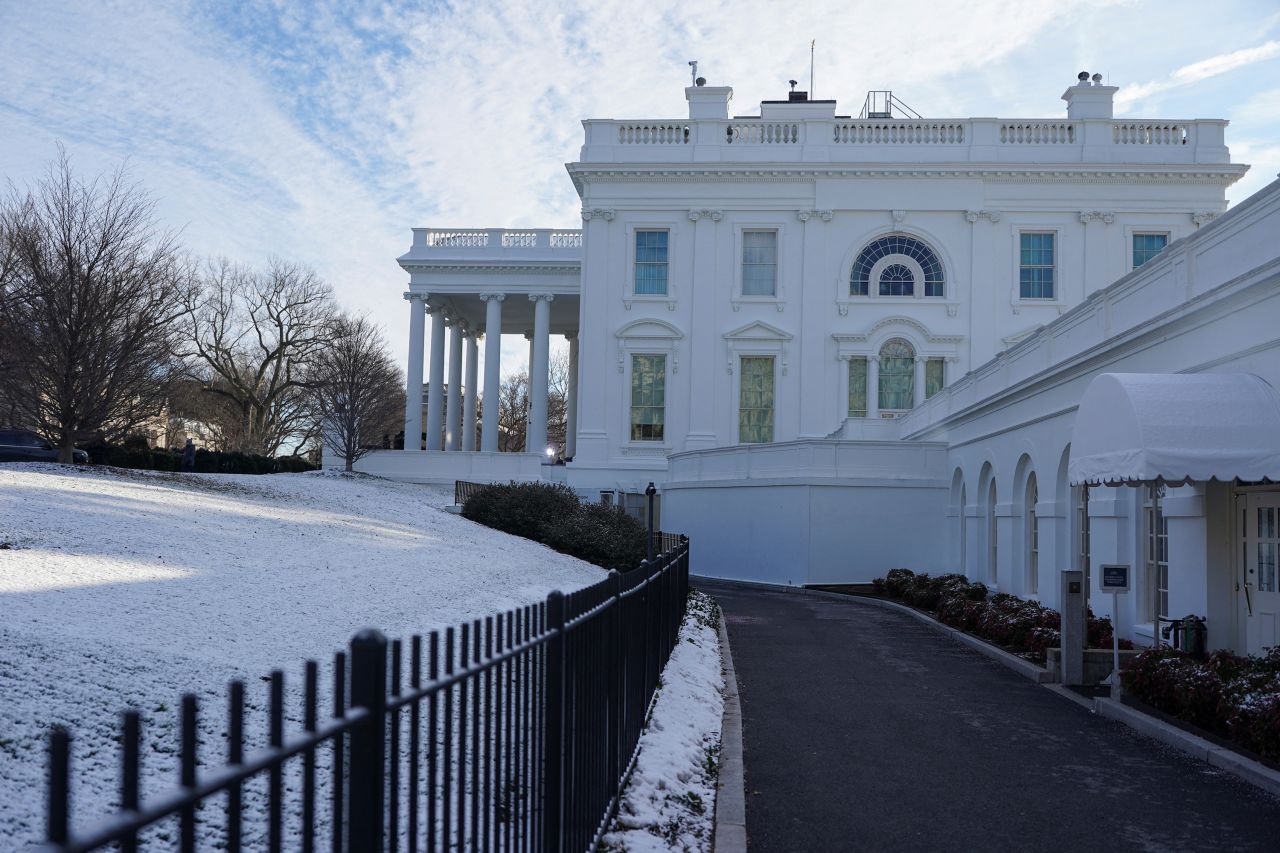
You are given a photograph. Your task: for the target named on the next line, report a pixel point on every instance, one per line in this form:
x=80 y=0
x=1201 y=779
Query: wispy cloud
x=324 y=131
x=1196 y=72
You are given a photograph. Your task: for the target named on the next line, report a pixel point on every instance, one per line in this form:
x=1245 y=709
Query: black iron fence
x=513 y=732
x=463 y=489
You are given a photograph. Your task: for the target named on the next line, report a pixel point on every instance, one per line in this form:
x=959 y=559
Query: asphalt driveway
x=866 y=730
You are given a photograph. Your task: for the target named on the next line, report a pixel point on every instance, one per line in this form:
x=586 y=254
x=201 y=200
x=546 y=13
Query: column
x=919 y=381
x=536 y=431
x=435 y=388
x=492 y=368
x=873 y=386
x=453 y=405
x=469 y=402
x=413 y=385
x=571 y=405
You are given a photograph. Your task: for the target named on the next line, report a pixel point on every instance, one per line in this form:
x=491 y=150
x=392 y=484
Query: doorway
x=1260 y=570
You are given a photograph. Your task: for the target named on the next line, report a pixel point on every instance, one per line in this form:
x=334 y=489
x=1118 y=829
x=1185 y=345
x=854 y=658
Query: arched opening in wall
x=957 y=514
x=986 y=545
x=897 y=376
x=992 y=576
x=1031 y=535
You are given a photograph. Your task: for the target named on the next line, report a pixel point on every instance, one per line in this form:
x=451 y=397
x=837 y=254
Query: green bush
x=135 y=453
x=551 y=513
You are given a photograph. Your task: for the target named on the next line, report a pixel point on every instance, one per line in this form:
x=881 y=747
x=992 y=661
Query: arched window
x=897 y=279
x=897 y=375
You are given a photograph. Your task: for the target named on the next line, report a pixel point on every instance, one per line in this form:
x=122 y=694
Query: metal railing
x=463 y=489
x=514 y=732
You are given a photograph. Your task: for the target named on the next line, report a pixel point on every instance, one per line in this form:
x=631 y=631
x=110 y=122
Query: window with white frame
x=651 y=262
x=755 y=399
x=1037 y=264
x=858 y=387
x=894 y=277
x=648 y=397
x=897 y=376
x=1146 y=245
x=759 y=263
x=1156 y=552
x=934 y=376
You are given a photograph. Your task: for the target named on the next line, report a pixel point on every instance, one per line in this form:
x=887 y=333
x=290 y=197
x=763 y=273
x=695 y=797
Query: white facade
x=762 y=311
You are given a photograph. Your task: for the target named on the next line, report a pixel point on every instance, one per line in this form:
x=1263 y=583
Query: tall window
x=1037 y=264
x=1147 y=246
x=755 y=400
x=897 y=279
x=1082 y=536
x=651 y=263
x=858 y=387
x=934 y=376
x=759 y=263
x=1033 y=536
x=897 y=375
x=648 y=397
x=1157 y=552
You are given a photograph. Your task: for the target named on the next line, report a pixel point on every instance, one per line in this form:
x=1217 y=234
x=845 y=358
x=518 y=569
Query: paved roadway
x=866 y=730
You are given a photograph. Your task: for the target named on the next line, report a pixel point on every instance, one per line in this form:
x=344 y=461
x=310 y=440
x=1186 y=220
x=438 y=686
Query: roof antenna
x=693 y=74
x=811 y=92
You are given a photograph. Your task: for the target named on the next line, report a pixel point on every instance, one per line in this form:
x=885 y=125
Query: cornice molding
x=1224 y=174
x=551 y=268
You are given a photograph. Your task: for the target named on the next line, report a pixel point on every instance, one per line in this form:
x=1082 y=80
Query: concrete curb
x=731 y=802
x=1237 y=765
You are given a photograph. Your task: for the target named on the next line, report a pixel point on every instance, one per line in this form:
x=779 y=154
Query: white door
x=1261 y=567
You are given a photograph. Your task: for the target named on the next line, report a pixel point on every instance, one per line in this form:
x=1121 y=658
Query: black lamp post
x=650 y=490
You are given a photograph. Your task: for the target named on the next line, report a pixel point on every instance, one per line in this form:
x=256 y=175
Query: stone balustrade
x=496 y=240
x=844 y=140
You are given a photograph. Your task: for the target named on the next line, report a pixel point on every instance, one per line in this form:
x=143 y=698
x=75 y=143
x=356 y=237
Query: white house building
x=842 y=344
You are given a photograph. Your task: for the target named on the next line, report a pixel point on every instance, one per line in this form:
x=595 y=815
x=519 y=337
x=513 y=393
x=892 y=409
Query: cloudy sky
x=324 y=131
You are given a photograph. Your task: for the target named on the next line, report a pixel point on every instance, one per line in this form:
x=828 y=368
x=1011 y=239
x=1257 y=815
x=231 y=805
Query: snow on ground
x=669 y=803
x=124 y=589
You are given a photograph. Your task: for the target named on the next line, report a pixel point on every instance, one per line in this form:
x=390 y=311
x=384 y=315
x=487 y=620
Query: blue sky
x=325 y=131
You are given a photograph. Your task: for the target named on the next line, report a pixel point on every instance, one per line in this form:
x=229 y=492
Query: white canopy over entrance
x=1176 y=427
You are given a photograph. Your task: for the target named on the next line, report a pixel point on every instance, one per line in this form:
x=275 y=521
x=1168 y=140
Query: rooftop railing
x=886 y=140
x=559 y=242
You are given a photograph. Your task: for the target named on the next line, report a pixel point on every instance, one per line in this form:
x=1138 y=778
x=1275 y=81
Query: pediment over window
x=650 y=330
x=757 y=331
x=921 y=332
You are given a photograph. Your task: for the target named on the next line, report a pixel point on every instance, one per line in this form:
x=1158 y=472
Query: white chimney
x=708 y=101
x=1090 y=99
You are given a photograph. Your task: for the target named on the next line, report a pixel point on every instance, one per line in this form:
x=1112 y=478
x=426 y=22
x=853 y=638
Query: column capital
x=605 y=213
x=546 y=297
x=420 y=297
x=1203 y=217
x=570 y=336
x=497 y=297
x=1104 y=216
x=806 y=215
x=713 y=215
x=437 y=309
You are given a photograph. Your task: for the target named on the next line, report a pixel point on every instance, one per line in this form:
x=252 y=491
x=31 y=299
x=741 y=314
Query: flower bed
x=1225 y=694
x=1026 y=628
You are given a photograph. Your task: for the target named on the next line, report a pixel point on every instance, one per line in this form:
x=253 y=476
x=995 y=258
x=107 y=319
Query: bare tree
x=359 y=390
x=251 y=338
x=513 y=406
x=91 y=292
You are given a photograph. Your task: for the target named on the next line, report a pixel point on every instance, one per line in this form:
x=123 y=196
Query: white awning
x=1176 y=427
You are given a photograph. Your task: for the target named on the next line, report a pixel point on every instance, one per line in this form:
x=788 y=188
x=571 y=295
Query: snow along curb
x=731 y=800
x=669 y=800
x=1237 y=765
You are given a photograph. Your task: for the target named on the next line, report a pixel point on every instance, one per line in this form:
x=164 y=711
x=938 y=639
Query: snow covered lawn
x=669 y=803
x=123 y=589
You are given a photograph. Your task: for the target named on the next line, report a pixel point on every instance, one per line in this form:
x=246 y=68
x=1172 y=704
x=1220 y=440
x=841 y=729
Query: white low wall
x=811 y=512
x=445 y=467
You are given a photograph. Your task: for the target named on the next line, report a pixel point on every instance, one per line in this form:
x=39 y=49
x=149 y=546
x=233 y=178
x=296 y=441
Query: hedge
x=207 y=461
x=551 y=513
x=1027 y=628
x=1229 y=695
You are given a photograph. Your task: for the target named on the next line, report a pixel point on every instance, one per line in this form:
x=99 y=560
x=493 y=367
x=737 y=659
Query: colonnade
x=454 y=428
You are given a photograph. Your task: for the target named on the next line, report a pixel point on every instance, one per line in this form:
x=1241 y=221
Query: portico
x=482 y=284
